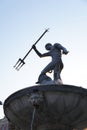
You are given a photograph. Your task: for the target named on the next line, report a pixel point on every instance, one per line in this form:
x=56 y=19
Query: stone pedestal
x=48 y=107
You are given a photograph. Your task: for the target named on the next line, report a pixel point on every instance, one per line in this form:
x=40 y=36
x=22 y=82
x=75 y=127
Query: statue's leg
x=42 y=75
x=48 y=68
x=57 y=71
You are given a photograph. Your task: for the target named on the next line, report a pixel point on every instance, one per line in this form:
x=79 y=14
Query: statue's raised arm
x=38 y=53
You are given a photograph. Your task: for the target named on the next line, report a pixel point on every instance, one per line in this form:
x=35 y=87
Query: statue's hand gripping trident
x=20 y=61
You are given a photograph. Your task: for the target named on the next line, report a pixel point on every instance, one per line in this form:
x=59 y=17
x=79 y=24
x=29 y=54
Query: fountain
x=49 y=105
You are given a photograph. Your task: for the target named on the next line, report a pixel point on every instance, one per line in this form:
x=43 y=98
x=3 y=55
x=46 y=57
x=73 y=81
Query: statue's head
x=48 y=46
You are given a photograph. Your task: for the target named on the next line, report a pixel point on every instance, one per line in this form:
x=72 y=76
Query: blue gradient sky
x=21 y=24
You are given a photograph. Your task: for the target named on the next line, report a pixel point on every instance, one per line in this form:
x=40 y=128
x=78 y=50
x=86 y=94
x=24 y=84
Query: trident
x=20 y=61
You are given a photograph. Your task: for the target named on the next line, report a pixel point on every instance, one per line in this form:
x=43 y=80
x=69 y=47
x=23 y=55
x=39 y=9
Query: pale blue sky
x=21 y=24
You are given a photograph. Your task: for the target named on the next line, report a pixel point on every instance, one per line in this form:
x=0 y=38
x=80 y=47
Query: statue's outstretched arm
x=38 y=53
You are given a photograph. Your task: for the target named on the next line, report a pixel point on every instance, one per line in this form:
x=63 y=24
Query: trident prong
x=19 y=64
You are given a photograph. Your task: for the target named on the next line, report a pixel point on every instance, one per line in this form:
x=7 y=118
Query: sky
x=22 y=22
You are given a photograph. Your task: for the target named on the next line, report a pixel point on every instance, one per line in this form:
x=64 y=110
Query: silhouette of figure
x=55 y=51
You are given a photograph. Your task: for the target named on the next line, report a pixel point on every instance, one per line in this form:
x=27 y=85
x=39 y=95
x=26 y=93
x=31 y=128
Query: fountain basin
x=56 y=107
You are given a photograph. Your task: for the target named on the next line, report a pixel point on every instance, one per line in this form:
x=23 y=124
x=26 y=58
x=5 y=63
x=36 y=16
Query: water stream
x=32 y=120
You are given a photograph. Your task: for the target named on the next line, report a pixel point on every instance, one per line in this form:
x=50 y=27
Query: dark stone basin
x=56 y=107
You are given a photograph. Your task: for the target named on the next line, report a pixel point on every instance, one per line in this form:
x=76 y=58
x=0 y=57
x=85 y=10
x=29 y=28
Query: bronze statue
x=56 y=65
